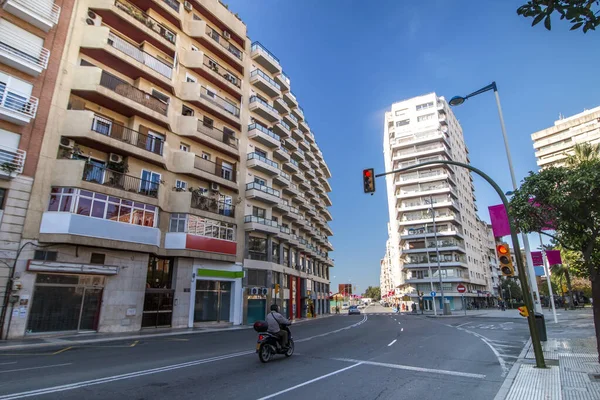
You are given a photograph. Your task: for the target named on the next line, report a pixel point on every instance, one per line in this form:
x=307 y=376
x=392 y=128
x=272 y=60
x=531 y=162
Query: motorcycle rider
x=274 y=320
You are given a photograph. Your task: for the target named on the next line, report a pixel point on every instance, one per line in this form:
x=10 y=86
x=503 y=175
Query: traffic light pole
x=535 y=339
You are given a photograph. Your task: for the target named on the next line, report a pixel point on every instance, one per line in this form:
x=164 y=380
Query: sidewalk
x=72 y=339
x=571 y=356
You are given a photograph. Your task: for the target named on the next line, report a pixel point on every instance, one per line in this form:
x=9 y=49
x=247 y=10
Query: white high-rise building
x=423 y=129
x=389 y=278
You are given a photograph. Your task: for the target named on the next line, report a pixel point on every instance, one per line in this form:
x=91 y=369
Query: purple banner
x=553 y=257
x=499 y=219
x=537 y=258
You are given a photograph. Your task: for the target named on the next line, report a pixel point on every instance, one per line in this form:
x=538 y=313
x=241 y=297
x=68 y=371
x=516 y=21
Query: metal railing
x=256 y=46
x=263 y=188
x=294 y=162
x=17 y=102
x=174 y=4
x=284 y=78
x=263 y=130
x=123 y=88
x=284 y=150
x=286 y=126
x=285 y=175
x=292 y=141
x=21 y=48
x=134 y=51
x=294 y=210
x=41 y=8
x=265 y=77
x=257 y=156
x=225 y=137
x=146 y=20
x=11 y=160
x=261 y=220
x=122 y=133
x=214 y=35
x=264 y=103
x=222 y=71
x=205 y=203
x=224 y=172
x=285 y=229
x=219 y=101
x=107 y=177
x=300 y=151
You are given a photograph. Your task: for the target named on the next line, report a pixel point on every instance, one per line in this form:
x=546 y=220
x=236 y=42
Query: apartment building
x=423 y=129
x=489 y=260
x=32 y=38
x=145 y=191
x=389 y=278
x=553 y=145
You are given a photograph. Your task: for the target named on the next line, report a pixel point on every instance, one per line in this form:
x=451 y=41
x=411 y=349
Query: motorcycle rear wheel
x=264 y=353
x=290 y=349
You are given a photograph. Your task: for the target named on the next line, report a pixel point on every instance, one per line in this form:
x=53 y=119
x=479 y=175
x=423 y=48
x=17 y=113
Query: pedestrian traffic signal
x=505 y=260
x=523 y=311
x=369 y=180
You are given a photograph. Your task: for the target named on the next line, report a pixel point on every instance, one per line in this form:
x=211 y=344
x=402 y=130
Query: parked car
x=353 y=310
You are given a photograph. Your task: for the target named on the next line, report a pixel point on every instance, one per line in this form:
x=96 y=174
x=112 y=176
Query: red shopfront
x=297 y=300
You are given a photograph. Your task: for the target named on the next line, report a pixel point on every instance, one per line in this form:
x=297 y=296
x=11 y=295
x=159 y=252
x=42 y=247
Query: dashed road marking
x=411 y=368
x=393 y=341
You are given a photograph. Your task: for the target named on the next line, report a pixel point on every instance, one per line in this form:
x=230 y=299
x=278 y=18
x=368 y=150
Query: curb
x=512 y=374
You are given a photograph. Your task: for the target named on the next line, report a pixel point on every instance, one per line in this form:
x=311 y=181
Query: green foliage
x=582 y=14
x=373 y=293
x=511 y=289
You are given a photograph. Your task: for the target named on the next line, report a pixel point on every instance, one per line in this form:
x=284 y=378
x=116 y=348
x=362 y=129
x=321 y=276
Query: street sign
x=432 y=294
x=460 y=288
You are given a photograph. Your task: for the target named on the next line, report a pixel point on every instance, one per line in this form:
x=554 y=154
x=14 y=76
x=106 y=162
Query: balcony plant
x=8 y=168
x=117 y=173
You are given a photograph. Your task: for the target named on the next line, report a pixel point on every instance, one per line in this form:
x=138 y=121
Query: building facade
x=553 y=145
x=146 y=188
x=423 y=129
x=489 y=259
x=32 y=38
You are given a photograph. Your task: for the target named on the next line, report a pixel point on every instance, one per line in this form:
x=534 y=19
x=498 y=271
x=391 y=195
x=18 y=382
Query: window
x=205 y=156
x=403 y=122
x=197 y=17
x=201 y=226
x=102 y=125
x=260 y=152
x=286 y=257
x=275 y=252
x=226 y=205
x=2 y=198
x=259 y=212
x=226 y=170
x=150 y=182
x=185 y=110
x=257 y=248
x=177 y=223
x=154 y=142
x=161 y=96
x=43 y=255
x=184 y=147
x=181 y=185
x=208 y=122
x=398 y=113
x=260 y=181
x=190 y=78
x=257 y=277
x=424 y=106
x=274 y=218
x=160 y=273
x=426 y=117
x=213 y=64
x=97 y=258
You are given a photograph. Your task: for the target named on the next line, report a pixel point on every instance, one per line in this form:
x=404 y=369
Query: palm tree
x=583 y=152
x=562 y=270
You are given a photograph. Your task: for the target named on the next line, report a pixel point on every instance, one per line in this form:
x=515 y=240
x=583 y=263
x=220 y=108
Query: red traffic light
x=502 y=249
x=369 y=180
x=367 y=173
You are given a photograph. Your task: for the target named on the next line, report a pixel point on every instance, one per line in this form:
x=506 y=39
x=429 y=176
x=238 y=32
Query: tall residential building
x=389 y=278
x=32 y=38
x=157 y=197
x=553 y=145
x=487 y=244
x=423 y=129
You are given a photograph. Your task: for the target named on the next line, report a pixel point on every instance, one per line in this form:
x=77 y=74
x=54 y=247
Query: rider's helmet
x=274 y=307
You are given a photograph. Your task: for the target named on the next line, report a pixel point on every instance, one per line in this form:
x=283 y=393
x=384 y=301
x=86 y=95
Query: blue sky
x=349 y=60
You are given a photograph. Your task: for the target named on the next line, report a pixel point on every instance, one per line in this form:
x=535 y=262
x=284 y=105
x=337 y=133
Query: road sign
x=461 y=288
x=432 y=294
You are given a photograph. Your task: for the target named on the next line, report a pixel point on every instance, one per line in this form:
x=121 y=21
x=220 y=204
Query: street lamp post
x=446 y=309
x=458 y=100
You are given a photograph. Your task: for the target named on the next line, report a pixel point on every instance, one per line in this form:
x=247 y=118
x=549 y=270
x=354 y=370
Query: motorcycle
x=268 y=344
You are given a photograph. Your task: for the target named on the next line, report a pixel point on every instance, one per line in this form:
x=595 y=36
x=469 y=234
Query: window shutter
x=219 y=164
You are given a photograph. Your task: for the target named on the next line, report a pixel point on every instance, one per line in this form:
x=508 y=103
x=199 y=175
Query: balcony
x=264 y=57
x=304 y=165
x=262 y=193
x=290 y=99
x=327 y=215
x=282 y=129
x=21 y=54
x=422 y=232
x=263 y=135
x=303 y=125
x=212 y=71
x=424 y=190
x=297 y=134
x=298 y=155
x=252 y=223
x=11 y=161
x=108 y=91
x=418 y=138
x=423 y=204
x=168 y=9
x=282 y=154
x=210 y=102
x=281 y=107
x=304 y=144
x=294 y=213
x=298 y=113
x=126 y=57
x=203 y=234
x=303 y=183
x=15 y=107
x=292 y=190
x=285 y=233
x=282 y=179
x=263 y=164
x=222 y=140
x=292 y=166
x=39 y=13
x=290 y=144
x=135 y=24
x=422 y=247
x=215 y=42
x=419 y=161
x=290 y=120
x=211 y=205
x=263 y=82
x=105 y=135
x=221 y=172
x=263 y=109
x=283 y=80
x=424 y=176
x=420 y=151
x=282 y=206
x=424 y=217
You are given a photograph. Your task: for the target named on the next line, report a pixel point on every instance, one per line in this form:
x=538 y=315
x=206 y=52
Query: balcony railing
x=294 y=162
x=291 y=116
x=11 y=160
x=264 y=103
x=146 y=20
x=122 y=133
x=219 y=101
x=220 y=170
x=174 y=4
x=222 y=71
x=284 y=78
x=285 y=175
x=286 y=126
x=265 y=77
x=133 y=51
x=205 y=203
x=17 y=102
x=261 y=220
x=227 y=137
x=123 y=88
x=263 y=188
x=264 y=130
x=258 y=46
x=284 y=150
x=285 y=229
x=41 y=8
x=21 y=48
x=294 y=210
x=257 y=156
x=223 y=42
x=107 y=177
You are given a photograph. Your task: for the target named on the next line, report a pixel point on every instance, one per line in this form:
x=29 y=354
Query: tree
x=582 y=14
x=511 y=290
x=583 y=152
x=373 y=293
x=568 y=198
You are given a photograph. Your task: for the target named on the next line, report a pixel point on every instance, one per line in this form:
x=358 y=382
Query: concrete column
x=246 y=244
x=269 y=248
x=281 y=260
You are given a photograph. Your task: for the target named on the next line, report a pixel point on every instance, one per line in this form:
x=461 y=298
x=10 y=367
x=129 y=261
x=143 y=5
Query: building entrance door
x=213 y=301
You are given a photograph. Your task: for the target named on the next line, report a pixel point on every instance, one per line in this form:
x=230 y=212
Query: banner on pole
x=537 y=258
x=553 y=257
x=499 y=219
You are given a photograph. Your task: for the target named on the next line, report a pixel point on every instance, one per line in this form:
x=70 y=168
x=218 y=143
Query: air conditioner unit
x=214 y=187
x=116 y=158
x=226 y=35
x=93 y=19
x=67 y=143
x=187 y=6
x=254 y=291
x=264 y=291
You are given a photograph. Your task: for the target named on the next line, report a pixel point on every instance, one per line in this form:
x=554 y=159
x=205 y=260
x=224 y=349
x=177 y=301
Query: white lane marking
x=331 y=332
x=309 y=382
x=496 y=353
x=7 y=363
x=458 y=326
x=27 y=369
x=393 y=341
x=507 y=345
x=411 y=368
x=402 y=330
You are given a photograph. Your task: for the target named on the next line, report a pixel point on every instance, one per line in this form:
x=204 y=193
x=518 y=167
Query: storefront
x=158 y=299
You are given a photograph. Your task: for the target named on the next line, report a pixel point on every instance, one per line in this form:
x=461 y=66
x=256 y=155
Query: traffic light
x=523 y=311
x=506 y=264
x=369 y=180
x=277 y=288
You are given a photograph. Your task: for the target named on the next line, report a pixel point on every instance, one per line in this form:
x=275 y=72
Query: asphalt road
x=377 y=355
